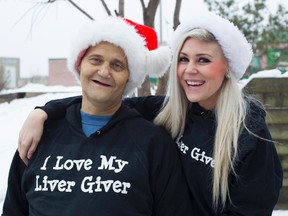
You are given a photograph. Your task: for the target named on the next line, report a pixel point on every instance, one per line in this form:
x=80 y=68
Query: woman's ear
x=227 y=75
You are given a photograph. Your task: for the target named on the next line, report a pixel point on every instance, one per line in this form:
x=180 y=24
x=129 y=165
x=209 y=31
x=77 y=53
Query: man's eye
x=118 y=66
x=96 y=61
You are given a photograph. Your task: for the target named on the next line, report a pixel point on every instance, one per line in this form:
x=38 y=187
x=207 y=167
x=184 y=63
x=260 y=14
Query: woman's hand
x=30 y=134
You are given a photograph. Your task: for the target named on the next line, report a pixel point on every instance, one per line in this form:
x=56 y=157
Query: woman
x=230 y=161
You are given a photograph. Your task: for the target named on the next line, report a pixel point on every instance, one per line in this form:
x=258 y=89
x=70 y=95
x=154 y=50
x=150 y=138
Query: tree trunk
x=144 y=90
x=121 y=11
x=149 y=13
x=162 y=82
x=162 y=85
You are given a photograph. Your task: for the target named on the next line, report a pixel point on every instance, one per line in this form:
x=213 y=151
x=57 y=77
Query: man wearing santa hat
x=103 y=158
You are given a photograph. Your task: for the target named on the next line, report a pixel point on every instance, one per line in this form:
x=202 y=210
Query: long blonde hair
x=230 y=112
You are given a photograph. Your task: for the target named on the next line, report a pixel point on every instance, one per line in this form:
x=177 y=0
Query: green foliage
x=263 y=28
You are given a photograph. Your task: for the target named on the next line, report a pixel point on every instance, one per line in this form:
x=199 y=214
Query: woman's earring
x=227 y=76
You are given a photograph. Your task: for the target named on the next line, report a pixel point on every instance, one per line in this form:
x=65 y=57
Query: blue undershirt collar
x=92 y=123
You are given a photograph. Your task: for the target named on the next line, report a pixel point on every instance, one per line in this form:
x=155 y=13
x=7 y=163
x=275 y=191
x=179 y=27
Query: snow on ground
x=275 y=73
x=13 y=114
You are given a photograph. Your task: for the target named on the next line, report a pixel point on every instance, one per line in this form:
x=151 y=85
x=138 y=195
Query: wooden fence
x=273 y=93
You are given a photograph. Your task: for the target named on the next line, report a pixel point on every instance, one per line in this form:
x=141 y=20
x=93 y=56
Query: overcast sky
x=35 y=32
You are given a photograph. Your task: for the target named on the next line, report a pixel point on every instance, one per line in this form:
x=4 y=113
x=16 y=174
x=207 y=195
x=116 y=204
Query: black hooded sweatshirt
x=129 y=167
x=254 y=191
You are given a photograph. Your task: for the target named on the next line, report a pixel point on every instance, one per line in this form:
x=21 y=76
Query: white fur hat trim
x=141 y=61
x=236 y=48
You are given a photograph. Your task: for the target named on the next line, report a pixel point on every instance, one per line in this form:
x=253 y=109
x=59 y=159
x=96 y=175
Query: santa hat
x=139 y=43
x=234 y=45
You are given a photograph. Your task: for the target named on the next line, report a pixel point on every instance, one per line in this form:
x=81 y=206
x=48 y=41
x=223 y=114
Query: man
x=103 y=158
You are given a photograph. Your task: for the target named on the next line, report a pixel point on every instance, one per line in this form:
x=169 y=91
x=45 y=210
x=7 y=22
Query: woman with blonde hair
x=229 y=159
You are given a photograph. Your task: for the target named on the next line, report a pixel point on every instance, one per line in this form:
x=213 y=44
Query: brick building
x=59 y=73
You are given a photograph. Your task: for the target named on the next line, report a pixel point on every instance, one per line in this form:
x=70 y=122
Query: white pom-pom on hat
x=236 y=48
x=139 y=43
x=158 y=60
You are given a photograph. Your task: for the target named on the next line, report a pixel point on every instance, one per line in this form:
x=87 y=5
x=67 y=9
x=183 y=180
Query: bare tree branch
x=142 y=4
x=24 y=15
x=36 y=14
x=106 y=7
x=176 y=21
x=80 y=9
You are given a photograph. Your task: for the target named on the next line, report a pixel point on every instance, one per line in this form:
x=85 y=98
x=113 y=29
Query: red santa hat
x=139 y=43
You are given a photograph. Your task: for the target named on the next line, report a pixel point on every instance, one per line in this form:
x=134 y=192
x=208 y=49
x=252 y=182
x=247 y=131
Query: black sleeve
x=56 y=109
x=172 y=196
x=256 y=189
x=148 y=106
x=15 y=203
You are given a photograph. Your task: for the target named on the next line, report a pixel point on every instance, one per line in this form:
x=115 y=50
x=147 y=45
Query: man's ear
x=78 y=68
x=128 y=77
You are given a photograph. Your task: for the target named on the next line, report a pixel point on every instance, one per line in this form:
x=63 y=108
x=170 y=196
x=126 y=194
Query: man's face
x=103 y=74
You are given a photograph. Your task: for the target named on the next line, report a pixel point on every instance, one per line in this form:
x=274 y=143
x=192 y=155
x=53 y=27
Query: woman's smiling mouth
x=195 y=83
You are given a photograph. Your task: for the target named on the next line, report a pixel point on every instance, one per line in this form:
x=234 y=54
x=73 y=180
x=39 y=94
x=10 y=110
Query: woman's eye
x=183 y=59
x=204 y=60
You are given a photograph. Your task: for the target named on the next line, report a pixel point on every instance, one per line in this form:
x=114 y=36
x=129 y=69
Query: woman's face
x=201 y=71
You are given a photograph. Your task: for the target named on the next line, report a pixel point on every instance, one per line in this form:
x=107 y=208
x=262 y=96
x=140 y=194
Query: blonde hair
x=230 y=112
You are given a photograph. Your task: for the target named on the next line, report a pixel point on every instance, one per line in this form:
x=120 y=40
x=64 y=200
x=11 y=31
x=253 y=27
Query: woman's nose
x=191 y=67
